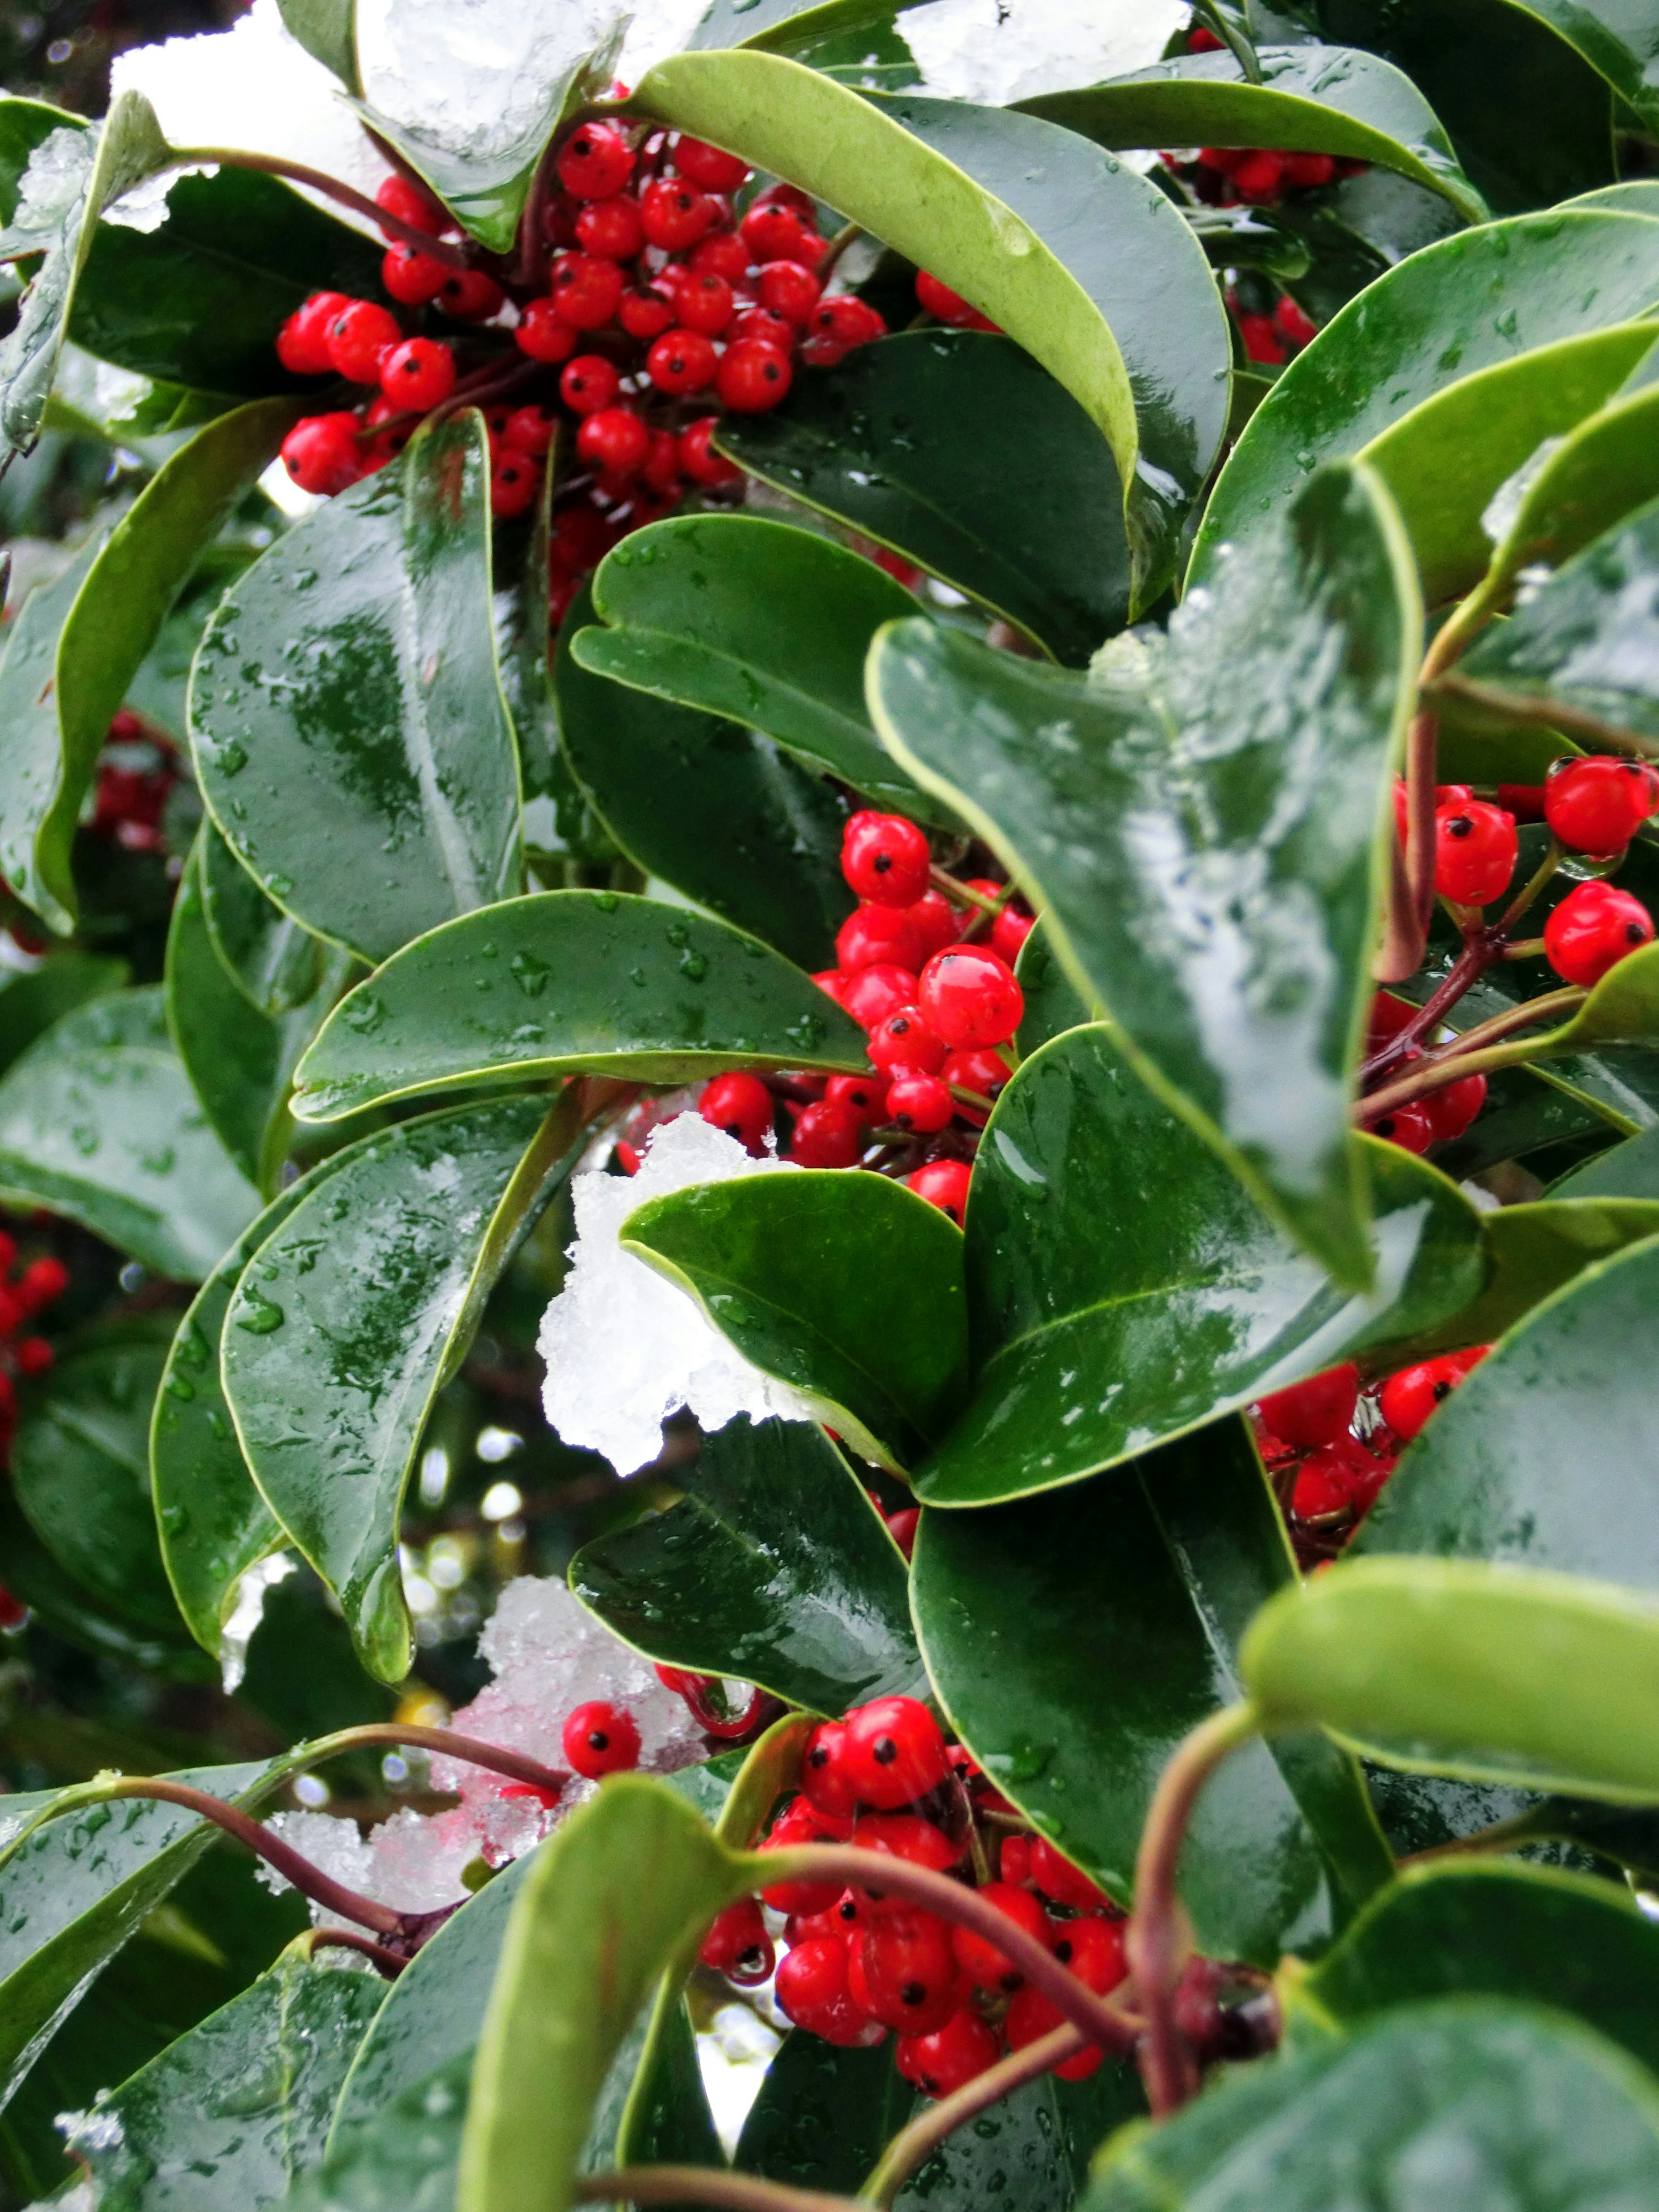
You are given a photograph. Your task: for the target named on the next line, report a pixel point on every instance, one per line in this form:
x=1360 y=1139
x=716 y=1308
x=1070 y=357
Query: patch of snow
x=998 y=51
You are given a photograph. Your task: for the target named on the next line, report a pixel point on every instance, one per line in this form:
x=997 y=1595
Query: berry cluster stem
x=1551 y=714
x=703 y=2184
x=930 y=2128
x=318 y=180
x=1479 y=1051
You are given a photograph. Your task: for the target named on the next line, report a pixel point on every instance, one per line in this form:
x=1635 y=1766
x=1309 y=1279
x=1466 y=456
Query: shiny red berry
x=681 y=362
x=741 y=1106
x=611 y=230
x=845 y=321
x=905 y=1042
x=1093 y=1949
x=705 y=304
x=707 y=166
x=403 y=198
x=943 y=1183
x=737 y=1945
x=420 y=373
x=586 y=292
x=864 y=1095
x=885 y=859
x=41 y=1283
x=700 y=460
x=986 y=1072
x=873 y=933
x=662 y=464
x=823 y=1778
x=907 y=1836
x=1306 y=173
x=919 y=1103
x=937 y=299
x=825 y=1136
x=1057 y=1878
x=531 y=429
x=760 y=323
x=646 y=314
x=910 y=1971
x=753 y=376
x=1323 y=1489
x=1475 y=850
x=871 y=993
x=676 y=213
x=948 y=2059
x=935 y=920
x=721 y=253
x=615 y=439
x=302 y=342
x=1315 y=1412
x=600 y=1739
x=468 y=295
x=322 y=455
x=811 y=1990
x=894 y=1751
x=970 y=997
x=1407 y=1398
x=412 y=276
x=774 y=233
x=1009 y=933
x=1593 y=929
x=985 y=1966
x=587 y=383
x=358 y=336
x=542 y=335
x=596 y=162
x=1408 y=1127
x=804 y=1824
x=514 y=482
x=1449 y=1111
x=35 y=1356
x=789 y=291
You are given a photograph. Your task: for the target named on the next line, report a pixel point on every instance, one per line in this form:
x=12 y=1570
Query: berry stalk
x=1479 y=1052
x=702 y=2185
x=914 y=2143
x=1552 y=714
x=296 y=173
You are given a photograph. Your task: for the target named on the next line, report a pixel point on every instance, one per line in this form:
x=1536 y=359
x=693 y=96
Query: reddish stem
x=271 y=165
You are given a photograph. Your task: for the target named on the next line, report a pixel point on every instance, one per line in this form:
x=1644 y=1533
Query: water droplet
x=261 y=1315
x=364 y=1014
x=530 y=974
x=230 y=759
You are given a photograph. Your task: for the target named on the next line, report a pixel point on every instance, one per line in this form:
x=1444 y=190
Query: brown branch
x=345 y=1939
x=1473 y=1053
x=702 y=2185
x=930 y=2129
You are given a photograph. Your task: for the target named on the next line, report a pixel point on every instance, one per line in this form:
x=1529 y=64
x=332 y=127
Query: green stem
x=929 y=2128
x=1529 y=891
x=1158 y=1938
x=959 y=894
x=271 y=165
x=847 y=235
x=1213 y=19
x=1550 y=713
x=702 y=2185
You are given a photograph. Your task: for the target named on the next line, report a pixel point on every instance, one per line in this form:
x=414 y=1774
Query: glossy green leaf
x=1542 y=1457
x=273 y=962
x=782 y=26
x=407 y=2161
x=1053 y=1002
x=24 y=124
x=1629 y=1170
x=355 y=1313
x=30 y=1003
x=708 y=806
x=1465 y=304
x=327 y=31
x=906 y=442
x=1495 y=1930
x=197 y=301
x=1208 y=853
x=98 y=1122
x=638 y=989
x=758 y=622
x=73 y=173
x=1498 y=1671
x=80 y=1466
x=349 y=733
x=848 y=1287
x=1123 y=1289
x=610 y=1901
x=240 y=1062
x=774 y=1569
x=1620 y=39
x=1312 y=98
x=37 y=1580
x=214 y=1523
x=1144 y=1580
x=1053 y=240
x=1475 y=2101
x=238 y=2109
x=824 y=2114
x=31 y=744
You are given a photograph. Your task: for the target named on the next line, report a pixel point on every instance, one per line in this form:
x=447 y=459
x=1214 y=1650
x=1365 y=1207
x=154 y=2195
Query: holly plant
x=830 y=1112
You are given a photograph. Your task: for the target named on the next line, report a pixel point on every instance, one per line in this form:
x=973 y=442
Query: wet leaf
x=31 y=1002
x=774 y=1569
x=824 y=2114
x=355 y=1311
x=1144 y=1580
x=98 y=1122
x=1053 y=1002
x=564 y=980
x=34 y=1577
x=1629 y=1170
x=327 y=31
x=275 y=962
x=406 y=2161
x=905 y=443
x=31 y=746
x=1204 y=829
x=354 y=667
x=846 y=1287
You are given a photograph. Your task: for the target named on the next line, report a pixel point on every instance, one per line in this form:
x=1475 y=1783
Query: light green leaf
x=273 y=962
x=31 y=745
x=327 y=31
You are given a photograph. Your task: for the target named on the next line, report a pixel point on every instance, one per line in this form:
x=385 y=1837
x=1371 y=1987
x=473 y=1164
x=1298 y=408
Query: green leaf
x=237 y=2109
x=1497 y=1672
x=1487 y=296
x=240 y=1062
x=273 y=962
x=1050 y=238
x=1501 y=1931
x=1123 y=1289
x=775 y=1568
x=470 y=1004
x=906 y=442
x=25 y=124
x=1542 y=1457
x=782 y=26
x=824 y=2114
x=758 y=622
x=354 y=1314
x=1620 y=38
x=1210 y=863
x=327 y=31
x=1146 y=1581
x=73 y=174
x=407 y=2161
x=1528 y=2111
x=80 y=1466
x=30 y=1003
x=708 y=806
x=1053 y=1002
x=610 y=1902
x=31 y=744
x=36 y=1580
x=198 y=301
x=355 y=663
x=1312 y=98
x=98 y=1122
x=1629 y=1171
x=848 y=1287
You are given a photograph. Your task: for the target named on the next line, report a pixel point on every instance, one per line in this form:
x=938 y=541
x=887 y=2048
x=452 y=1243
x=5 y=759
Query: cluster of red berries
x=1276 y=337
x=934 y=1005
x=137 y=772
x=1439 y=1115
x=861 y=1962
x=1330 y=1444
x=1254 y=176
x=24 y=1295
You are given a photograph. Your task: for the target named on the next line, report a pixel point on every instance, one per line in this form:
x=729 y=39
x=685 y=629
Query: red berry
x=773 y=231
x=1315 y=1412
x=531 y=429
x=825 y=1136
x=1093 y=1950
x=1389 y=1016
x=675 y=214
x=467 y=295
x=754 y=375
x=737 y=1945
x=35 y=1356
x=987 y=1072
x=1200 y=40
x=902 y=1528
x=910 y=1971
x=1524 y=801
x=514 y=482
x=1408 y=1127
x=662 y=464
x=804 y=1824
x=789 y=290
x=412 y=276
x=615 y=439
x=681 y=362
x=741 y=1106
x=12 y=1612
x=1407 y=1398
x=596 y=162
x=811 y=1990
x=864 y=1095
x=716 y=172
x=949 y=2058
x=903 y=1836
x=1009 y=933
x=404 y=197
x=699 y=458
x=321 y=454
x=871 y=993
x=646 y=314
x=877 y=934
x=1030 y=2017
x=705 y=303
x=1593 y=929
x=1057 y=1878
x=587 y=383
x=894 y=1751
x=935 y=920
x=970 y=997
x=823 y=1777
x=1014 y=1860
x=357 y=338
x=1260 y=339
x=1257 y=177
x=600 y=1739
x=919 y=1101
x=943 y=1183
x=419 y=374
x=586 y=292
x=985 y=1966
x=1307 y=171
x=581 y=536
x=1450 y=1111
x=1475 y=850
x=845 y=321
x=760 y=323
x=1597 y=805
x=611 y=230
x=937 y=299
x=885 y=859
x=904 y=1042
x=1291 y=323
x=542 y=335
x=1322 y=1488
